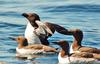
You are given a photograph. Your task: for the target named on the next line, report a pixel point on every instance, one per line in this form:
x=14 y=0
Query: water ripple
x=72 y=8
x=10 y=13
x=9 y=2
x=5 y=24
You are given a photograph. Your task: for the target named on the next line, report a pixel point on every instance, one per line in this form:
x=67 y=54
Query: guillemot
x=65 y=57
x=36 y=32
x=23 y=49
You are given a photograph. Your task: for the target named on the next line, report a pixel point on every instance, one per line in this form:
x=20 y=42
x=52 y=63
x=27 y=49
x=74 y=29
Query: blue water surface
x=71 y=14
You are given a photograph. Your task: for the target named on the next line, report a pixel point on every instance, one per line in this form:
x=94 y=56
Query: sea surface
x=71 y=14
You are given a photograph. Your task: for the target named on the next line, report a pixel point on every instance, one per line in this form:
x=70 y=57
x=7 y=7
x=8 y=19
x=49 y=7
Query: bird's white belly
x=63 y=60
x=28 y=51
x=67 y=60
x=31 y=36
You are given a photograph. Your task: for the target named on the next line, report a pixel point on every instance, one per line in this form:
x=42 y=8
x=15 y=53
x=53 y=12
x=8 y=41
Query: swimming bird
x=36 y=32
x=65 y=57
x=77 y=46
x=24 y=48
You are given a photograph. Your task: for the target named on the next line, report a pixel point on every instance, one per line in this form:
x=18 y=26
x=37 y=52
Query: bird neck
x=76 y=44
x=20 y=46
x=23 y=44
x=64 y=52
x=34 y=24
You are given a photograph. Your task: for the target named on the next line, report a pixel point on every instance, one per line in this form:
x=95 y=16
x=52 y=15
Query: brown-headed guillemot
x=25 y=49
x=65 y=57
